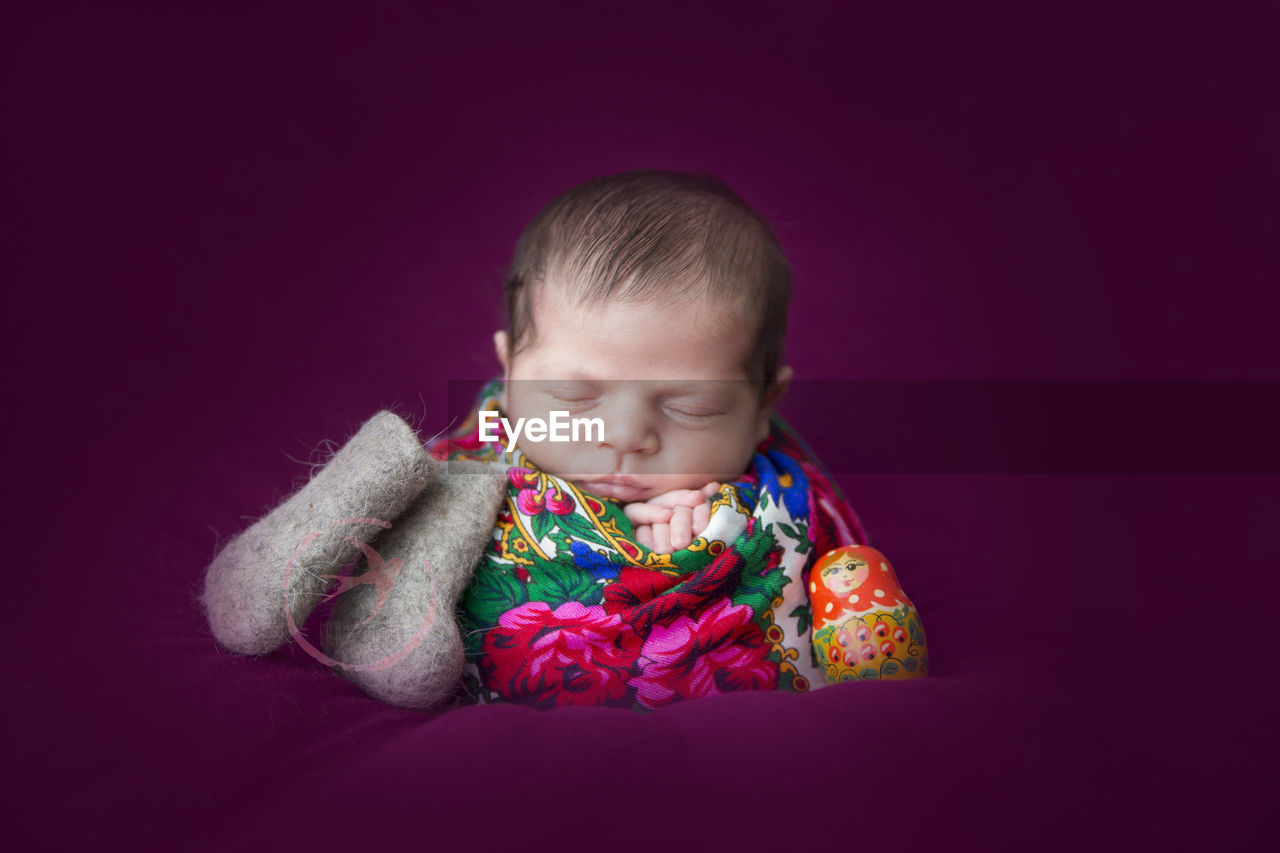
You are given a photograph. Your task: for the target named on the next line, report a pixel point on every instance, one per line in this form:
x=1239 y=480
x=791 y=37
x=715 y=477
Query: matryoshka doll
x=864 y=626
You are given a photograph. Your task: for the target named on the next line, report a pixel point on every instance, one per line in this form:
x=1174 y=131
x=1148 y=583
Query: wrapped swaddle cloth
x=566 y=608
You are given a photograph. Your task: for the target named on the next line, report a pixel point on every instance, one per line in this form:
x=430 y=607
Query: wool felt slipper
x=394 y=632
x=266 y=580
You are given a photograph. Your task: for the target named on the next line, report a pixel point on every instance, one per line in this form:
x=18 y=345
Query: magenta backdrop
x=232 y=233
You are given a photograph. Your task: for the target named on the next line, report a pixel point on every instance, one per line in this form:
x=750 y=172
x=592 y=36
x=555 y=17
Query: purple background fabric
x=232 y=234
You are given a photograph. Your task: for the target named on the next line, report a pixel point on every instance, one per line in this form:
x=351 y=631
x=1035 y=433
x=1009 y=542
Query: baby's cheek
x=570 y=460
x=546 y=456
x=733 y=450
x=717 y=457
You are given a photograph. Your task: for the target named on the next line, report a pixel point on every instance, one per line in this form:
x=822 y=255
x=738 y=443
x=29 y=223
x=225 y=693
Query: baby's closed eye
x=697 y=408
x=692 y=414
x=573 y=397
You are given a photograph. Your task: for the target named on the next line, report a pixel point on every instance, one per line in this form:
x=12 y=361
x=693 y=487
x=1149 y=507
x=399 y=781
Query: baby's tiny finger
x=644 y=513
x=681 y=528
x=644 y=536
x=711 y=489
x=679 y=497
x=701 y=518
x=661 y=539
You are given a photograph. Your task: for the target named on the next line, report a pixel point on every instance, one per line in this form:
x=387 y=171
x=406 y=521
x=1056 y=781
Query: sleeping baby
x=664 y=552
x=669 y=557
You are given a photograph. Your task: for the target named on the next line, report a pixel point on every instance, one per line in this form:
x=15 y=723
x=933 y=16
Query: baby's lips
x=619 y=491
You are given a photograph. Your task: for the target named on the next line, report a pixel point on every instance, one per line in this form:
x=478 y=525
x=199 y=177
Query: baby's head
x=657 y=302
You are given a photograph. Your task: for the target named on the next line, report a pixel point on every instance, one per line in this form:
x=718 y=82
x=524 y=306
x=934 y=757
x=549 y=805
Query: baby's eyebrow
x=716 y=389
x=573 y=374
x=697 y=388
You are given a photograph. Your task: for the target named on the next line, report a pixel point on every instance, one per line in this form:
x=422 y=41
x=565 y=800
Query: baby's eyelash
x=575 y=404
x=685 y=413
x=571 y=395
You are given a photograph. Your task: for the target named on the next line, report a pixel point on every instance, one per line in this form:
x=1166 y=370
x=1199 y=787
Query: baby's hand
x=669 y=521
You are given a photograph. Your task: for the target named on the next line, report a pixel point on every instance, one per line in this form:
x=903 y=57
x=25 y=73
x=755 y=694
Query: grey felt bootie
x=271 y=573
x=421 y=527
x=395 y=634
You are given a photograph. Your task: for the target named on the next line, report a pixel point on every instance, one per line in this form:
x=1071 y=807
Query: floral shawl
x=566 y=608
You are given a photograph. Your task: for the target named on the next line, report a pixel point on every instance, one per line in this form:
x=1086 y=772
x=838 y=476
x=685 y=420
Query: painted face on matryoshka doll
x=845 y=574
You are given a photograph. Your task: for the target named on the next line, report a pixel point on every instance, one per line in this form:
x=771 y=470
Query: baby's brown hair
x=649 y=234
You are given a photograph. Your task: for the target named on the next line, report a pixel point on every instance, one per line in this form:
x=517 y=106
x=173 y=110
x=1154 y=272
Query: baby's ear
x=771 y=398
x=504 y=358
x=780 y=385
x=500 y=348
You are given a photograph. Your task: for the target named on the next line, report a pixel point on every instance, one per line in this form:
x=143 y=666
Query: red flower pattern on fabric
x=721 y=652
x=574 y=655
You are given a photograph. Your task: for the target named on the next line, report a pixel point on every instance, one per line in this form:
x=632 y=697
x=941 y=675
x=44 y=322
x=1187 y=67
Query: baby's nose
x=630 y=431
